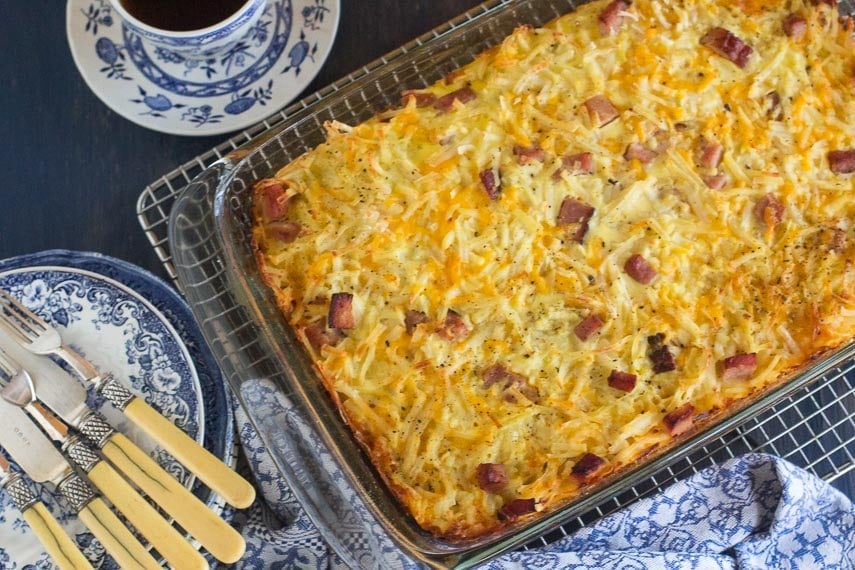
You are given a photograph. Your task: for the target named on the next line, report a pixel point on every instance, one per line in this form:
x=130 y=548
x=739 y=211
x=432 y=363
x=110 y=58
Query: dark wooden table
x=74 y=168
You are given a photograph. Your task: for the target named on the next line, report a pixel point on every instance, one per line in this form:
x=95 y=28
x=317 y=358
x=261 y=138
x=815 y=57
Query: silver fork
x=32 y=333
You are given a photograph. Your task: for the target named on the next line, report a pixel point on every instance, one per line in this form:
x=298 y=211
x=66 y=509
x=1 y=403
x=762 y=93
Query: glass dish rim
x=481 y=550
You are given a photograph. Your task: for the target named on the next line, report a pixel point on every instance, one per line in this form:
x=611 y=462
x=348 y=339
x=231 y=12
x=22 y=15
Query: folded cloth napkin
x=756 y=511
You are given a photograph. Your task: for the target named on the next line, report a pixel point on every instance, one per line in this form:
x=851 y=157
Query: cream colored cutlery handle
x=177 y=551
x=233 y=488
x=57 y=543
x=221 y=540
x=117 y=540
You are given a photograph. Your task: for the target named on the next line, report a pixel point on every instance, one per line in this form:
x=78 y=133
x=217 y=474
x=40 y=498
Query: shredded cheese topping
x=395 y=212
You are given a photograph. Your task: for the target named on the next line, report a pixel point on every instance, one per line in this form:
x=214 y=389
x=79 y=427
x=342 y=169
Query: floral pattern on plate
x=164 y=91
x=122 y=319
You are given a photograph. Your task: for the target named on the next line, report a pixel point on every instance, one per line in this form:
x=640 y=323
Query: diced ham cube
x=579 y=235
x=727 y=45
x=341 y=311
x=610 y=18
x=492 y=477
x=601 y=110
x=624 y=381
x=318 y=335
x=493 y=374
x=516 y=508
x=453 y=328
x=588 y=466
x=588 y=326
x=423 y=98
x=769 y=210
x=446 y=102
x=528 y=154
x=491 y=183
x=581 y=163
x=273 y=198
x=842 y=161
x=680 y=420
x=413 y=318
x=639 y=152
x=711 y=154
x=573 y=211
x=795 y=26
x=639 y=269
x=498 y=374
x=739 y=366
x=774 y=111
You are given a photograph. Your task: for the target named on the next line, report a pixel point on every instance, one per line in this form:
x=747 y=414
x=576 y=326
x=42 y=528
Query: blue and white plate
x=132 y=324
x=163 y=91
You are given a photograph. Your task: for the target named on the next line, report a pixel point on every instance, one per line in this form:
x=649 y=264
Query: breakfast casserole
x=575 y=248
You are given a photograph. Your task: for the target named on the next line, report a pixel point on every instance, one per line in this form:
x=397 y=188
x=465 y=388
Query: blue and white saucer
x=130 y=323
x=240 y=87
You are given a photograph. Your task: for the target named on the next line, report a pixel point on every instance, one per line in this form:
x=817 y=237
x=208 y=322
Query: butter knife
x=66 y=397
x=43 y=463
x=35 y=335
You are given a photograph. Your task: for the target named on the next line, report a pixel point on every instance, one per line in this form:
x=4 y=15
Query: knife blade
x=55 y=388
x=28 y=446
x=33 y=451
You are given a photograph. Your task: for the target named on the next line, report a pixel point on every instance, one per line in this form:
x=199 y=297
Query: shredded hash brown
x=532 y=273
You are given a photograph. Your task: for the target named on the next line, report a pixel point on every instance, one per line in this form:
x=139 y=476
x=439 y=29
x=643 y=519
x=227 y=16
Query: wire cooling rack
x=813 y=427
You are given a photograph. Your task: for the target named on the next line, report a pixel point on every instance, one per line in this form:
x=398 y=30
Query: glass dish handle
x=300 y=454
x=314 y=476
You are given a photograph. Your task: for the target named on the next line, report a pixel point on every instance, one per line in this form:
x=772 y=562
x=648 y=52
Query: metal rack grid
x=798 y=429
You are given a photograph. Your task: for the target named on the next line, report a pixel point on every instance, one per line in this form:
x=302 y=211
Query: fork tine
x=26 y=322
x=15 y=305
x=12 y=329
x=6 y=366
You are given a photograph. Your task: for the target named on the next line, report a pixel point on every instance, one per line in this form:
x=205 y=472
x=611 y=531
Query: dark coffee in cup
x=181 y=15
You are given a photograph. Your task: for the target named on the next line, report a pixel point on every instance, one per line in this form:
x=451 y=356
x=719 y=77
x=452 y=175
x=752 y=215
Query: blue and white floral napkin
x=752 y=512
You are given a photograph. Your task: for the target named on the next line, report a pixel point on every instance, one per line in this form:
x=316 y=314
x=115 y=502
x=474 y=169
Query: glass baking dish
x=309 y=433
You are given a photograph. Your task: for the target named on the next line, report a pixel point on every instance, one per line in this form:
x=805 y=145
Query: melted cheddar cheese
x=396 y=213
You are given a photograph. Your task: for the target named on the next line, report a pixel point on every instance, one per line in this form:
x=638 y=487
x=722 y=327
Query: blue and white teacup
x=197 y=44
